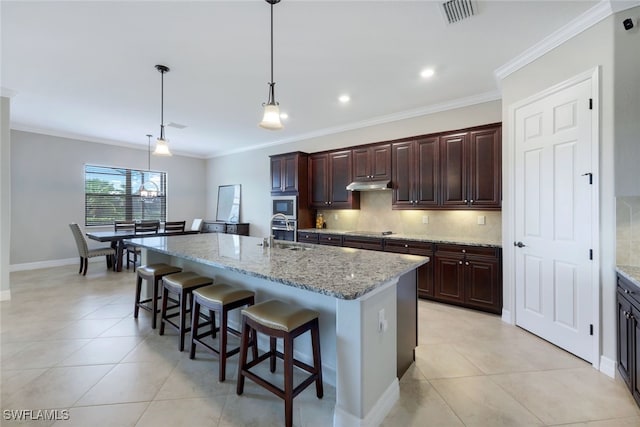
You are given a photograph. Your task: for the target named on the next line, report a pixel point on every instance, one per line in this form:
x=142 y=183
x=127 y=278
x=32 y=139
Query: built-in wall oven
x=287 y=206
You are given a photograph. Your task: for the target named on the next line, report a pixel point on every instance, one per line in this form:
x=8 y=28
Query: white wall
x=5 y=197
x=592 y=48
x=47 y=190
x=251 y=169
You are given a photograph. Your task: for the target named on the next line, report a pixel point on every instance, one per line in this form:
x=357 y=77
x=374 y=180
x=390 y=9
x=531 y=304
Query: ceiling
x=87 y=69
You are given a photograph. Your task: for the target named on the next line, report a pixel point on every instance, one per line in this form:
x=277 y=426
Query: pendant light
x=271 y=117
x=148 y=190
x=162 y=146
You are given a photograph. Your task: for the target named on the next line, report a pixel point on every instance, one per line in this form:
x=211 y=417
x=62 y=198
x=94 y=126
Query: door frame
x=509 y=233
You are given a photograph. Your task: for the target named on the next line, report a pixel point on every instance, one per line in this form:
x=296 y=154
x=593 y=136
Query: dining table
x=117 y=238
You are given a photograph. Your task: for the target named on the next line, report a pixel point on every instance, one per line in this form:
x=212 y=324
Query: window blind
x=113 y=194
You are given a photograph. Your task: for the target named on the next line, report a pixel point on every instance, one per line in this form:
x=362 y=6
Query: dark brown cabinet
x=306 y=237
x=360 y=242
x=471 y=168
x=330 y=173
x=289 y=173
x=415 y=172
x=628 y=335
x=372 y=163
x=330 y=239
x=424 y=272
x=469 y=276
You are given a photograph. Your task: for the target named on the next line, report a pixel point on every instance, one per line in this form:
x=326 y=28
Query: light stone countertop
x=630 y=272
x=416 y=237
x=343 y=273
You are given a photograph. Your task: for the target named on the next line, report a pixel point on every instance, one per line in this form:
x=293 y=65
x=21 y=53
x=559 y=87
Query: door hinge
x=591 y=254
x=590 y=175
x=591 y=329
x=590 y=103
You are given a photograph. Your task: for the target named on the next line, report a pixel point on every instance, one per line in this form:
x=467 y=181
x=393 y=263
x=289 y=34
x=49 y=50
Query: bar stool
x=278 y=319
x=220 y=298
x=152 y=273
x=182 y=284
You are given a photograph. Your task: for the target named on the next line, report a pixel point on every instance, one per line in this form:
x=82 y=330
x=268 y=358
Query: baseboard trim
x=5 y=295
x=377 y=414
x=608 y=366
x=51 y=263
x=506 y=316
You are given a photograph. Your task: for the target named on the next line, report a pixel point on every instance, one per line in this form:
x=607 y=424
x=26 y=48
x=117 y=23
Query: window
x=114 y=194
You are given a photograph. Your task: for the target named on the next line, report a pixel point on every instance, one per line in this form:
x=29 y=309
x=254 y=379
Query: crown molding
x=597 y=13
x=409 y=114
x=5 y=92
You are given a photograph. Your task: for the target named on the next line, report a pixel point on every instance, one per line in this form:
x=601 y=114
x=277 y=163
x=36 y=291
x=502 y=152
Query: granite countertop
x=630 y=272
x=343 y=273
x=416 y=237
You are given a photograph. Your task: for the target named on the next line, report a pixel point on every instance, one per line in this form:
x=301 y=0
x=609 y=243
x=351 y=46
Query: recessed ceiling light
x=344 y=98
x=284 y=116
x=427 y=72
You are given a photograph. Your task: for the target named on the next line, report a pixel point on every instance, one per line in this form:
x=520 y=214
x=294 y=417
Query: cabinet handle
x=471 y=201
x=328 y=238
x=466 y=201
x=460 y=262
x=466 y=263
x=464 y=251
x=406 y=246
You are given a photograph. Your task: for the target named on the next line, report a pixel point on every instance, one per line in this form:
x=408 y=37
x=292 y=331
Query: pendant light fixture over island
x=162 y=145
x=271 y=117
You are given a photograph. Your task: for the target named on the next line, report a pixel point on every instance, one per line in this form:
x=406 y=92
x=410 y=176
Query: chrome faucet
x=286 y=223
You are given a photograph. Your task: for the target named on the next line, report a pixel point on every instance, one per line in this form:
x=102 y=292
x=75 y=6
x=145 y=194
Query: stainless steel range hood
x=369 y=185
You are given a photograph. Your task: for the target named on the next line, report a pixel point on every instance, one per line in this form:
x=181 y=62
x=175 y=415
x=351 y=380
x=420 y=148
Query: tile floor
x=70 y=342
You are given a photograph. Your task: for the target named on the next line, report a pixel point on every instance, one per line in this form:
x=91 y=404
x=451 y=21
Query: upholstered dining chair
x=142 y=228
x=174 y=226
x=86 y=253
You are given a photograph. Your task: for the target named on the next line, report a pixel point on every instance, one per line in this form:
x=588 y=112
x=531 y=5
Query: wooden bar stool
x=218 y=298
x=182 y=284
x=279 y=319
x=152 y=273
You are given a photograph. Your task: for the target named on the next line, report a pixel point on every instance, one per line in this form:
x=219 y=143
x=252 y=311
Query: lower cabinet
x=330 y=239
x=628 y=334
x=359 y=242
x=225 y=227
x=470 y=276
x=425 y=272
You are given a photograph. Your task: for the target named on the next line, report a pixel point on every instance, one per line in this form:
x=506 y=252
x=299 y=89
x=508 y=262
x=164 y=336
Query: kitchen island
x=366 y=300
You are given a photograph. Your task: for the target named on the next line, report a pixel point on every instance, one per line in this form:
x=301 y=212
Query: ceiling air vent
x=457 y=10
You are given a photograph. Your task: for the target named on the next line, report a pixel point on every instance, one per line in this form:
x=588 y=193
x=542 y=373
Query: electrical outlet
x=382 y=321
x=425 y=219
x=481 y=220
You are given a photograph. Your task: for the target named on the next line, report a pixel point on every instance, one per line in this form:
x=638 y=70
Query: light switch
x=481 y=220
x=425 y=219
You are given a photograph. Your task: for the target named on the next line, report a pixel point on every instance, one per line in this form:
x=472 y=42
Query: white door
x=553 y=218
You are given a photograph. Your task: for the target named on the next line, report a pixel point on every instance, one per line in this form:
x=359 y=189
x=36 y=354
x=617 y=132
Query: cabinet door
x=402 y=170
x=290 y=173
x=427 y=172
x=624 y=339
x=380 y=161
x=361 y=164
x=276 y=174
x=485 y=159
x=449 y=277
x=340 y=176
x=482 y=284
x=454 y=169
x=319 y=180
x=634 y=326
x=425 y=280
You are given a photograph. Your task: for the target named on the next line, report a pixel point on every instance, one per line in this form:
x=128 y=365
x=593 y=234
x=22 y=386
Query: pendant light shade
x=162 y=144
x=149 y=190
x=271 y=117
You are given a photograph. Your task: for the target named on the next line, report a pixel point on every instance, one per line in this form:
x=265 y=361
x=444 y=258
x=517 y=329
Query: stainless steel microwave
x=286 y=205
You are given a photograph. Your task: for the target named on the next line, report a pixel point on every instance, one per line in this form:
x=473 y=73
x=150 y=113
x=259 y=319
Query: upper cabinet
x=415 y=173
x=329 y=175
x=471 y=168
x=372 y=163
x=289 y=173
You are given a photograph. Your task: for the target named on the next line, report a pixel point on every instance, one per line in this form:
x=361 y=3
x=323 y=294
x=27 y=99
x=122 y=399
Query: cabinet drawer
x=307 y=237
x=214 y=227
x=358 y=242
x=330 y=239
x=629 y=290
x=242 y=229
x=408 y=247
x=465 y=249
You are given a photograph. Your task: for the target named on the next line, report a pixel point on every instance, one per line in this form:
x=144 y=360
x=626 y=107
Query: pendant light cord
x=272 y=45
x=162 y=105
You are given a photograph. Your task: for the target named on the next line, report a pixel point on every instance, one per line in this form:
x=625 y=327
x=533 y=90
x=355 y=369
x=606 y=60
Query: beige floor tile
x=128 y=382
x=36 y=329
x=43 y=354
x=477 y=401
x=443 y=361
x=420 y=402
x=616 y=422
x=569 y=396
x=102 y=350
x=56 y=388
x=111 y=311
x=182 y=412
x=85 y=328
x=413 y=374
x=129 y=327
x=198 y=378
x=122 y=415
x=10 y=381
x=156 y=349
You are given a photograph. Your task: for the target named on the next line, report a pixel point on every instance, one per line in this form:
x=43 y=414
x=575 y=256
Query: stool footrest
x=277 y=390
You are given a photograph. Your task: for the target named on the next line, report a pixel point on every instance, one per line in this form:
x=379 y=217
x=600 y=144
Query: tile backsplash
x=375 y=214
x=628 y=231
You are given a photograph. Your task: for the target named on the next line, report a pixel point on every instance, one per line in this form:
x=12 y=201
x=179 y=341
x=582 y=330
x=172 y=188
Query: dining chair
x=142 y=228
x=174 y=226
x=86 y=253
x=124 y=226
